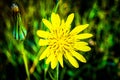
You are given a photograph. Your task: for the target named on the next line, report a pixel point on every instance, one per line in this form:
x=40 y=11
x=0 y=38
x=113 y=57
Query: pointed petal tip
x=47 y=62
x=79 y=28
x=43 y=34
x=76 y=66
x=55 y=20
x=70 y=19
x=53 y=13
x=62 y=65
x=43 y=42
x=53 y=67
x=37 y=32
x=43 y=19
x=87 y=24
x=72 y=14
x=92 y=35
x=54 y=63
x=84 y=36
x=83 y=60
x=40 y=58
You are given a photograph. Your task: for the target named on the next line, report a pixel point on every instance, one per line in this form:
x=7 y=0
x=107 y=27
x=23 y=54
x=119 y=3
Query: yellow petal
x=47 y=24
x=84 y=36
x=44 y=54
x=78 y=29
x=80 y=43
x=54 y=63
x=50 y=58
x=72 y=60
x=43 y=42
x=70 y=19
x=78 y=56
x=60 y=58
x=82 y=48
x=43 y=34
x=55 y=19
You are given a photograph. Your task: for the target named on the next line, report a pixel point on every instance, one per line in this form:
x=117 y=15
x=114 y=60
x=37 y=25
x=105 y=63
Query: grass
x=19 y=59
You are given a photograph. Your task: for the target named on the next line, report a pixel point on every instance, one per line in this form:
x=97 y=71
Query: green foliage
x=19 y=59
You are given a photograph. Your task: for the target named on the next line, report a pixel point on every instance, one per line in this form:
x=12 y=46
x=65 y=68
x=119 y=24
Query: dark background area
x=103 y=17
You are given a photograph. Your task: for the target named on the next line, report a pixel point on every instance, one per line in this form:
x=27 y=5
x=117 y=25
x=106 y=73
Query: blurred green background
x=103 y=61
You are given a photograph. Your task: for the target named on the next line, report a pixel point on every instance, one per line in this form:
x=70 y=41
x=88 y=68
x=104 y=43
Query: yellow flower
x=61 y=41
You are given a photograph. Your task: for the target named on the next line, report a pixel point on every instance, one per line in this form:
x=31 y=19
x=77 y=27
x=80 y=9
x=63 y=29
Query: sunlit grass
x=20 y=52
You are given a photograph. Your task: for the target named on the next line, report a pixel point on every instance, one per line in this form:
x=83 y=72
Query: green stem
x=57 y=72
x=56 y=7
x=20 y=47
x=25 y=60
x=26 y=66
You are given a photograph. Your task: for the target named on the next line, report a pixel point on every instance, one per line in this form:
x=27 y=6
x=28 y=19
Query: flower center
x=60 y=39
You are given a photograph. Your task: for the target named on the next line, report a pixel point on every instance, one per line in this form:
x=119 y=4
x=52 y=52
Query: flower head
x=61 y=41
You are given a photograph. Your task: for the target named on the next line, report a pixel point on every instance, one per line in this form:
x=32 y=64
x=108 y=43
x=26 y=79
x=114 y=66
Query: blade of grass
x=23 y=51
x=56 y=7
